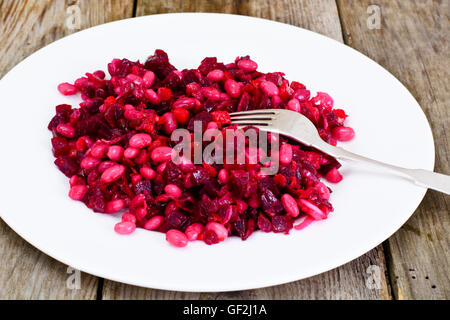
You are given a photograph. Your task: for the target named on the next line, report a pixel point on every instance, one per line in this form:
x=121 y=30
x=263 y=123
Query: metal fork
x=300 y=128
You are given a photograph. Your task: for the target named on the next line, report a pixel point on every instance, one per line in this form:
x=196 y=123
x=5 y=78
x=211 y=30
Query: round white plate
x=369 y=207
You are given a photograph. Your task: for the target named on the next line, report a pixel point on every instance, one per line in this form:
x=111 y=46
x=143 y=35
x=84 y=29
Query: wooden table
x=411 y=41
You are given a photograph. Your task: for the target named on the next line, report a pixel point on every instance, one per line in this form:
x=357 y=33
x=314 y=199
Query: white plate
x=369 y=207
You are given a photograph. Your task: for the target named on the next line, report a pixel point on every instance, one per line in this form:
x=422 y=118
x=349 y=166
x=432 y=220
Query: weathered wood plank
x=299 y=13
x=29 y=25
x=413 y=44
x=346 y=282
x=27 y=273
x=26 y=26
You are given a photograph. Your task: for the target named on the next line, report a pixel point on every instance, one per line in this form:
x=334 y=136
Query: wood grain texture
x=346 y=282
x=413 y=44
x=27 y=273
x=26 y=26
x=318 y=16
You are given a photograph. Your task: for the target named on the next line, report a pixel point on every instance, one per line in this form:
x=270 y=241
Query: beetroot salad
x=116 y=149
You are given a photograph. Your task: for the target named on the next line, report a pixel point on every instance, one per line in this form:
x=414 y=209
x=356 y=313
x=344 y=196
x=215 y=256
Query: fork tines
x=254 y=117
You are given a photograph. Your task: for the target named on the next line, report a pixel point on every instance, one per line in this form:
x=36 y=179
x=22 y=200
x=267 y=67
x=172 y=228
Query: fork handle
x=425 y=178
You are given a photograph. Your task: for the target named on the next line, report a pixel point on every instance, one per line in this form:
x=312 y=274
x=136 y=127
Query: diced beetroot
x=159 y=64
x=264 y=224
x=200 y=176
x=95 y=199
x=68 y=165
x=221 y=117
x=211 y=237
x=333 y=176
x=203 y=118
x=207 y=65
x=240 y=228
x=239 y=181
x=60 y=146
x=270 y=203
x=281 y=223
x=144 y=187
